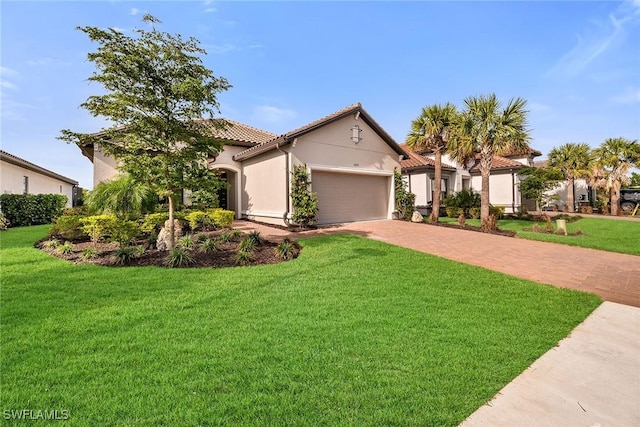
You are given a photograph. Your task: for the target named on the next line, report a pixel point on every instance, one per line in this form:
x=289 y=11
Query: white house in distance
x=349 y=156
x=504 y=190
x=583 y=193
x=20 y=176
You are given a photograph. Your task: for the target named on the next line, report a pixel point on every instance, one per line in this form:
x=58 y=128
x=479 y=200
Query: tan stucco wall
x=264 y=187
x=420 y=185
x=500 y=190
x=581 y=189
x=331 y=145
x=104 y=167
x=12 y=179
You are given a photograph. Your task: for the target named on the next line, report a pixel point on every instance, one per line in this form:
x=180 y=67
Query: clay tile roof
x=242 y=134
x=498 y=162
x=416 y=161
x=290 y=136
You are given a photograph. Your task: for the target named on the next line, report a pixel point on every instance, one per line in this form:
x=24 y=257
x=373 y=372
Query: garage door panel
x=346 y=197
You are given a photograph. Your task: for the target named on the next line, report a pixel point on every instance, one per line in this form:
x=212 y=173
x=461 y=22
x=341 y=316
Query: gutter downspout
x=287 y=160
x=513 y=192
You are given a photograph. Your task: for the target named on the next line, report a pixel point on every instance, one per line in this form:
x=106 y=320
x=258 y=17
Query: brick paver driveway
x=614 y=277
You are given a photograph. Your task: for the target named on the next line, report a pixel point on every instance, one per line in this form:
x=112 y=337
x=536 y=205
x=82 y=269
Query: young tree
x=486 y=129
x=431 y=131
x=574 y=161
x=613 y=159
x=537 y=181
x=157 y=91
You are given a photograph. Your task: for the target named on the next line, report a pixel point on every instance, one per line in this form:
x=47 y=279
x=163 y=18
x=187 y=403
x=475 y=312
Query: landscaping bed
x=228 y=246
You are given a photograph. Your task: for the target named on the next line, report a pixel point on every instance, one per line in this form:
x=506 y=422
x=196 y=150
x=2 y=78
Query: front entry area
x=348 y=197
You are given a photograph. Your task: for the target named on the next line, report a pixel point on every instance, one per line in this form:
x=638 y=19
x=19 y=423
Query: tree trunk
x=484 y=196
x=172 y=227
x=615 y=197
x=570 y=194
x=437 y=187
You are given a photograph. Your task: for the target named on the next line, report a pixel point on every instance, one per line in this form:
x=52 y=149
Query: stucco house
x=20 y=176
x=583 y=193
x=349 y=156
x=504 y=190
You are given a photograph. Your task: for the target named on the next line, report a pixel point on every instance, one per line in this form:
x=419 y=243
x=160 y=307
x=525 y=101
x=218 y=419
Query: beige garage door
x=344 y=197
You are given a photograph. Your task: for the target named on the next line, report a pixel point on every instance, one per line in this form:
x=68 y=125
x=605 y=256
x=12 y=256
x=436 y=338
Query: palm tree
x=487 y=130
x=613 y=159
x=122 y=196
x=431 y=131
x=574 y=161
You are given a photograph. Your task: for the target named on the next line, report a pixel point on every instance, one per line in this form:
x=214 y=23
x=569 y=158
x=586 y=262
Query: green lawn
x=353 y=332
x=597 y=233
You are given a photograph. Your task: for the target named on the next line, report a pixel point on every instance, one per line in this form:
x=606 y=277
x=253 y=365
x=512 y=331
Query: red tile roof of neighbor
x=498 y=163
x=290 y=136
x=417 y=161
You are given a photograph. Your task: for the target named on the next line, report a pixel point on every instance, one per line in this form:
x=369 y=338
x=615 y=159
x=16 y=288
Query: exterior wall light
x=355 y=134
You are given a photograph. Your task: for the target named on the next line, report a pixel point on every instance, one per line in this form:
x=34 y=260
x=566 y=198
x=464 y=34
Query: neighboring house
x=583 y=193
x=504 y=190
x=20 y=176
x=350 y=158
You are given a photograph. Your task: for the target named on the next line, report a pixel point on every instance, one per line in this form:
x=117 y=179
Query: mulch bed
x=498 y=232
x=224 y=257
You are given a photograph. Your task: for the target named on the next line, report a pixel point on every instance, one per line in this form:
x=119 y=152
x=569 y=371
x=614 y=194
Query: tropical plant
x=431 y=130
x=209 y=245
x=124 y=232
x=89 y=253
x=51 y=244
x=405 y=200
x=463 y=199
x=535 y=182
x=244 y=257
x=255 y=237
x=66 y=248
x=186 y=241
x=247 y=245
x=486 y=129
x=286 y=249
x=226 y=237
x=613 y=160
x=304 y=201
x=125 y=254
x=634 y=180
x=67 y=227
x=123 y=197
x=155 y=84
x=574 y=161
x=179 y=257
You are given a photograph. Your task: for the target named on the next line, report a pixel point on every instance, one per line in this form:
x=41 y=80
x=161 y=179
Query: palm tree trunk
x=615 y=197
x=484 y=196
x=437 y=188
x=570 y=194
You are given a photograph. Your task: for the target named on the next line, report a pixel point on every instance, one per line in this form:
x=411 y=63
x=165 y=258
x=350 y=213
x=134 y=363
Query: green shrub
x=124 y=232
x=152 y=240
x=255 y=237
x=497 y=211
x=405 y=200
x=124 y=255
x=186 y=241
x=226 y=237
x=247 y=245
x=179 y=257
x=235 y=234
x=97 y=227
x=66 y=248
x=286 y=249
x=304 y=202
x=31 y=209
x=89 y=253
x=453 y=211
x=51 y=244
x=201 y=238
x=209 y=245
x=221 y=218
x=474 y=212
x=199 y=220
x=68 y=227
x=154 y=221
x=244 y=258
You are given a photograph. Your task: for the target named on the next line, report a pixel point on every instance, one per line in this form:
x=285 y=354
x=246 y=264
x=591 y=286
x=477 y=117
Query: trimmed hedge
x=31 y=209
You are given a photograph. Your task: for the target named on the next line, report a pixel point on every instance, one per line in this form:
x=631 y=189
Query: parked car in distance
x=629 y=197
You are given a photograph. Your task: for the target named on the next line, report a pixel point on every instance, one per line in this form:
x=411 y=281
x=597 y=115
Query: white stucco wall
x=104 y=167
x=501 y=190
x=12 y=179
x=581 y=189
x=264 y=187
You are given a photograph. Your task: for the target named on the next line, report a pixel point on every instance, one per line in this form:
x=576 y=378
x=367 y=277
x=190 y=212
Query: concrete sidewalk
x=591 y=379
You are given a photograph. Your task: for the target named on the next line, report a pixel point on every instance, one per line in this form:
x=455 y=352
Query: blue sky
x=576 y=63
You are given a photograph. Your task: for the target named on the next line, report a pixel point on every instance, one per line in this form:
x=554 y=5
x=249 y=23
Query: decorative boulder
x=163 y=236
x=416 y=217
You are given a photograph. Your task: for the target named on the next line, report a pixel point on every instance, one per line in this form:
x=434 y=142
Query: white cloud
x=598 y=39
x=4 y=71
x=630 y=96
x=7 y=85
x=538 y=107
x=134 y=11
x=7 y=73
x=210 y=10
x=271 y=114
x=259 y=46
x=220 y=49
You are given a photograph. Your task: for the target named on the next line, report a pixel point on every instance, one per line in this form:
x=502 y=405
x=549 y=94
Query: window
x=25 y=185
x=61 y=189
